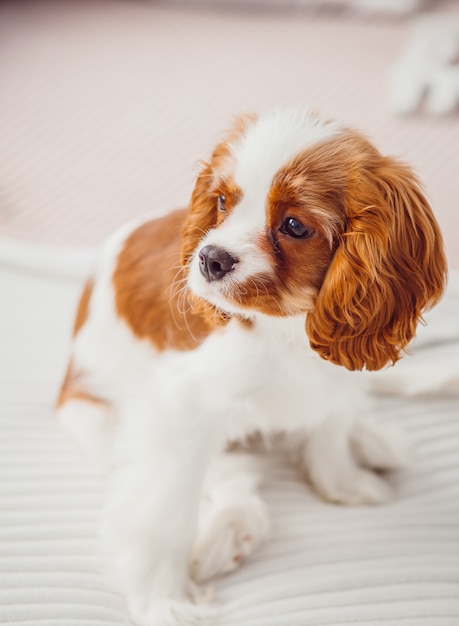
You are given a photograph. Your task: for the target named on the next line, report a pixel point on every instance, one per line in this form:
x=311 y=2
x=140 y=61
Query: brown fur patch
x=71 y=388
x=150 y=289
x=83 y=307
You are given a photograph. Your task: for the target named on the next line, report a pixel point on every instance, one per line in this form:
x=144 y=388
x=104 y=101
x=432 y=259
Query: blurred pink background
x=107 y=107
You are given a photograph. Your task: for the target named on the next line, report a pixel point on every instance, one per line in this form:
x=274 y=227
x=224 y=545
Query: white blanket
x=324 y=564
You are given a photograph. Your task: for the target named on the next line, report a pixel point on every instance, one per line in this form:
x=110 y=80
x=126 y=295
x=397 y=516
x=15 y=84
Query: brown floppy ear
x=388 y=267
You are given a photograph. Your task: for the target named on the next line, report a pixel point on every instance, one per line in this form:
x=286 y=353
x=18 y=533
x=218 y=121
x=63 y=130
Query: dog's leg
x=160 y=461
x=90 y=420
x=342 y=460
x=233 y=518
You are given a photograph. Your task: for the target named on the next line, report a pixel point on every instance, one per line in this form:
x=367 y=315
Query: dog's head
x=296 y=215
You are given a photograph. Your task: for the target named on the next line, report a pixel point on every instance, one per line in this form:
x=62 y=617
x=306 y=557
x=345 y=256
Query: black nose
x=215 y=263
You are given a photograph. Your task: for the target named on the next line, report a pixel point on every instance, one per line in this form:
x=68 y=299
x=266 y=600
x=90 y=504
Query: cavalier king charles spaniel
x=304 y=253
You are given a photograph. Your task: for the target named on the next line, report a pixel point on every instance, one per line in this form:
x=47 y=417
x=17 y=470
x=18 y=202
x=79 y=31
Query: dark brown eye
x=221 y=203
x=293 y=228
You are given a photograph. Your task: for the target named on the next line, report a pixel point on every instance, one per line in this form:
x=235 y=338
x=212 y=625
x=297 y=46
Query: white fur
x=177 y=501
x=92 y=425
x=269 y=145
x=233 y=518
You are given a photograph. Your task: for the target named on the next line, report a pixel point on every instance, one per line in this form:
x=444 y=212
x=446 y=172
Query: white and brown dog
x=207 y=325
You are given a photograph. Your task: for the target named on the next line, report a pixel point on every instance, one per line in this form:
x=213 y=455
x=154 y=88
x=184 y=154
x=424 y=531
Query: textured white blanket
x=325 y=565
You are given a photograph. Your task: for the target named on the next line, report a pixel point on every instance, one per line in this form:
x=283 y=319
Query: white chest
x=266 y=378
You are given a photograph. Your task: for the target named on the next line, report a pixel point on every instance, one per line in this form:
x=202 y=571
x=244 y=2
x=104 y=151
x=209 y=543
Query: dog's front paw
x=348 y=468
x=227 y=536
x=158 y=611
x=352 y=486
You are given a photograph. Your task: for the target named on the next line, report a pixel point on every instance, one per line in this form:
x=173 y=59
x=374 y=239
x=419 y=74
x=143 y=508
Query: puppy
x=303 y=249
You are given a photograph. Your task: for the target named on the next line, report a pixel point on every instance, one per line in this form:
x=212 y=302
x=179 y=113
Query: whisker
x=177 y=292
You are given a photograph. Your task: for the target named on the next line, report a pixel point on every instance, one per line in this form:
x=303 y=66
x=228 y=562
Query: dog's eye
x=221 y=201
x=296 y=229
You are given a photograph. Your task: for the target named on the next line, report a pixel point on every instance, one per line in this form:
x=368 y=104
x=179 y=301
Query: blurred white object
x=393 y=7
x=379 y=7
x=429 y=66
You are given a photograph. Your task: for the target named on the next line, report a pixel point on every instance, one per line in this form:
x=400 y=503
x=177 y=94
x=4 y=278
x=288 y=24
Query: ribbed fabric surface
x=49 y=498
x=325 y=565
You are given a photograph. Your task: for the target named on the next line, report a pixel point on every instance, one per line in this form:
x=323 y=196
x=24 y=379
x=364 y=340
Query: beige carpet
x=106 y=107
